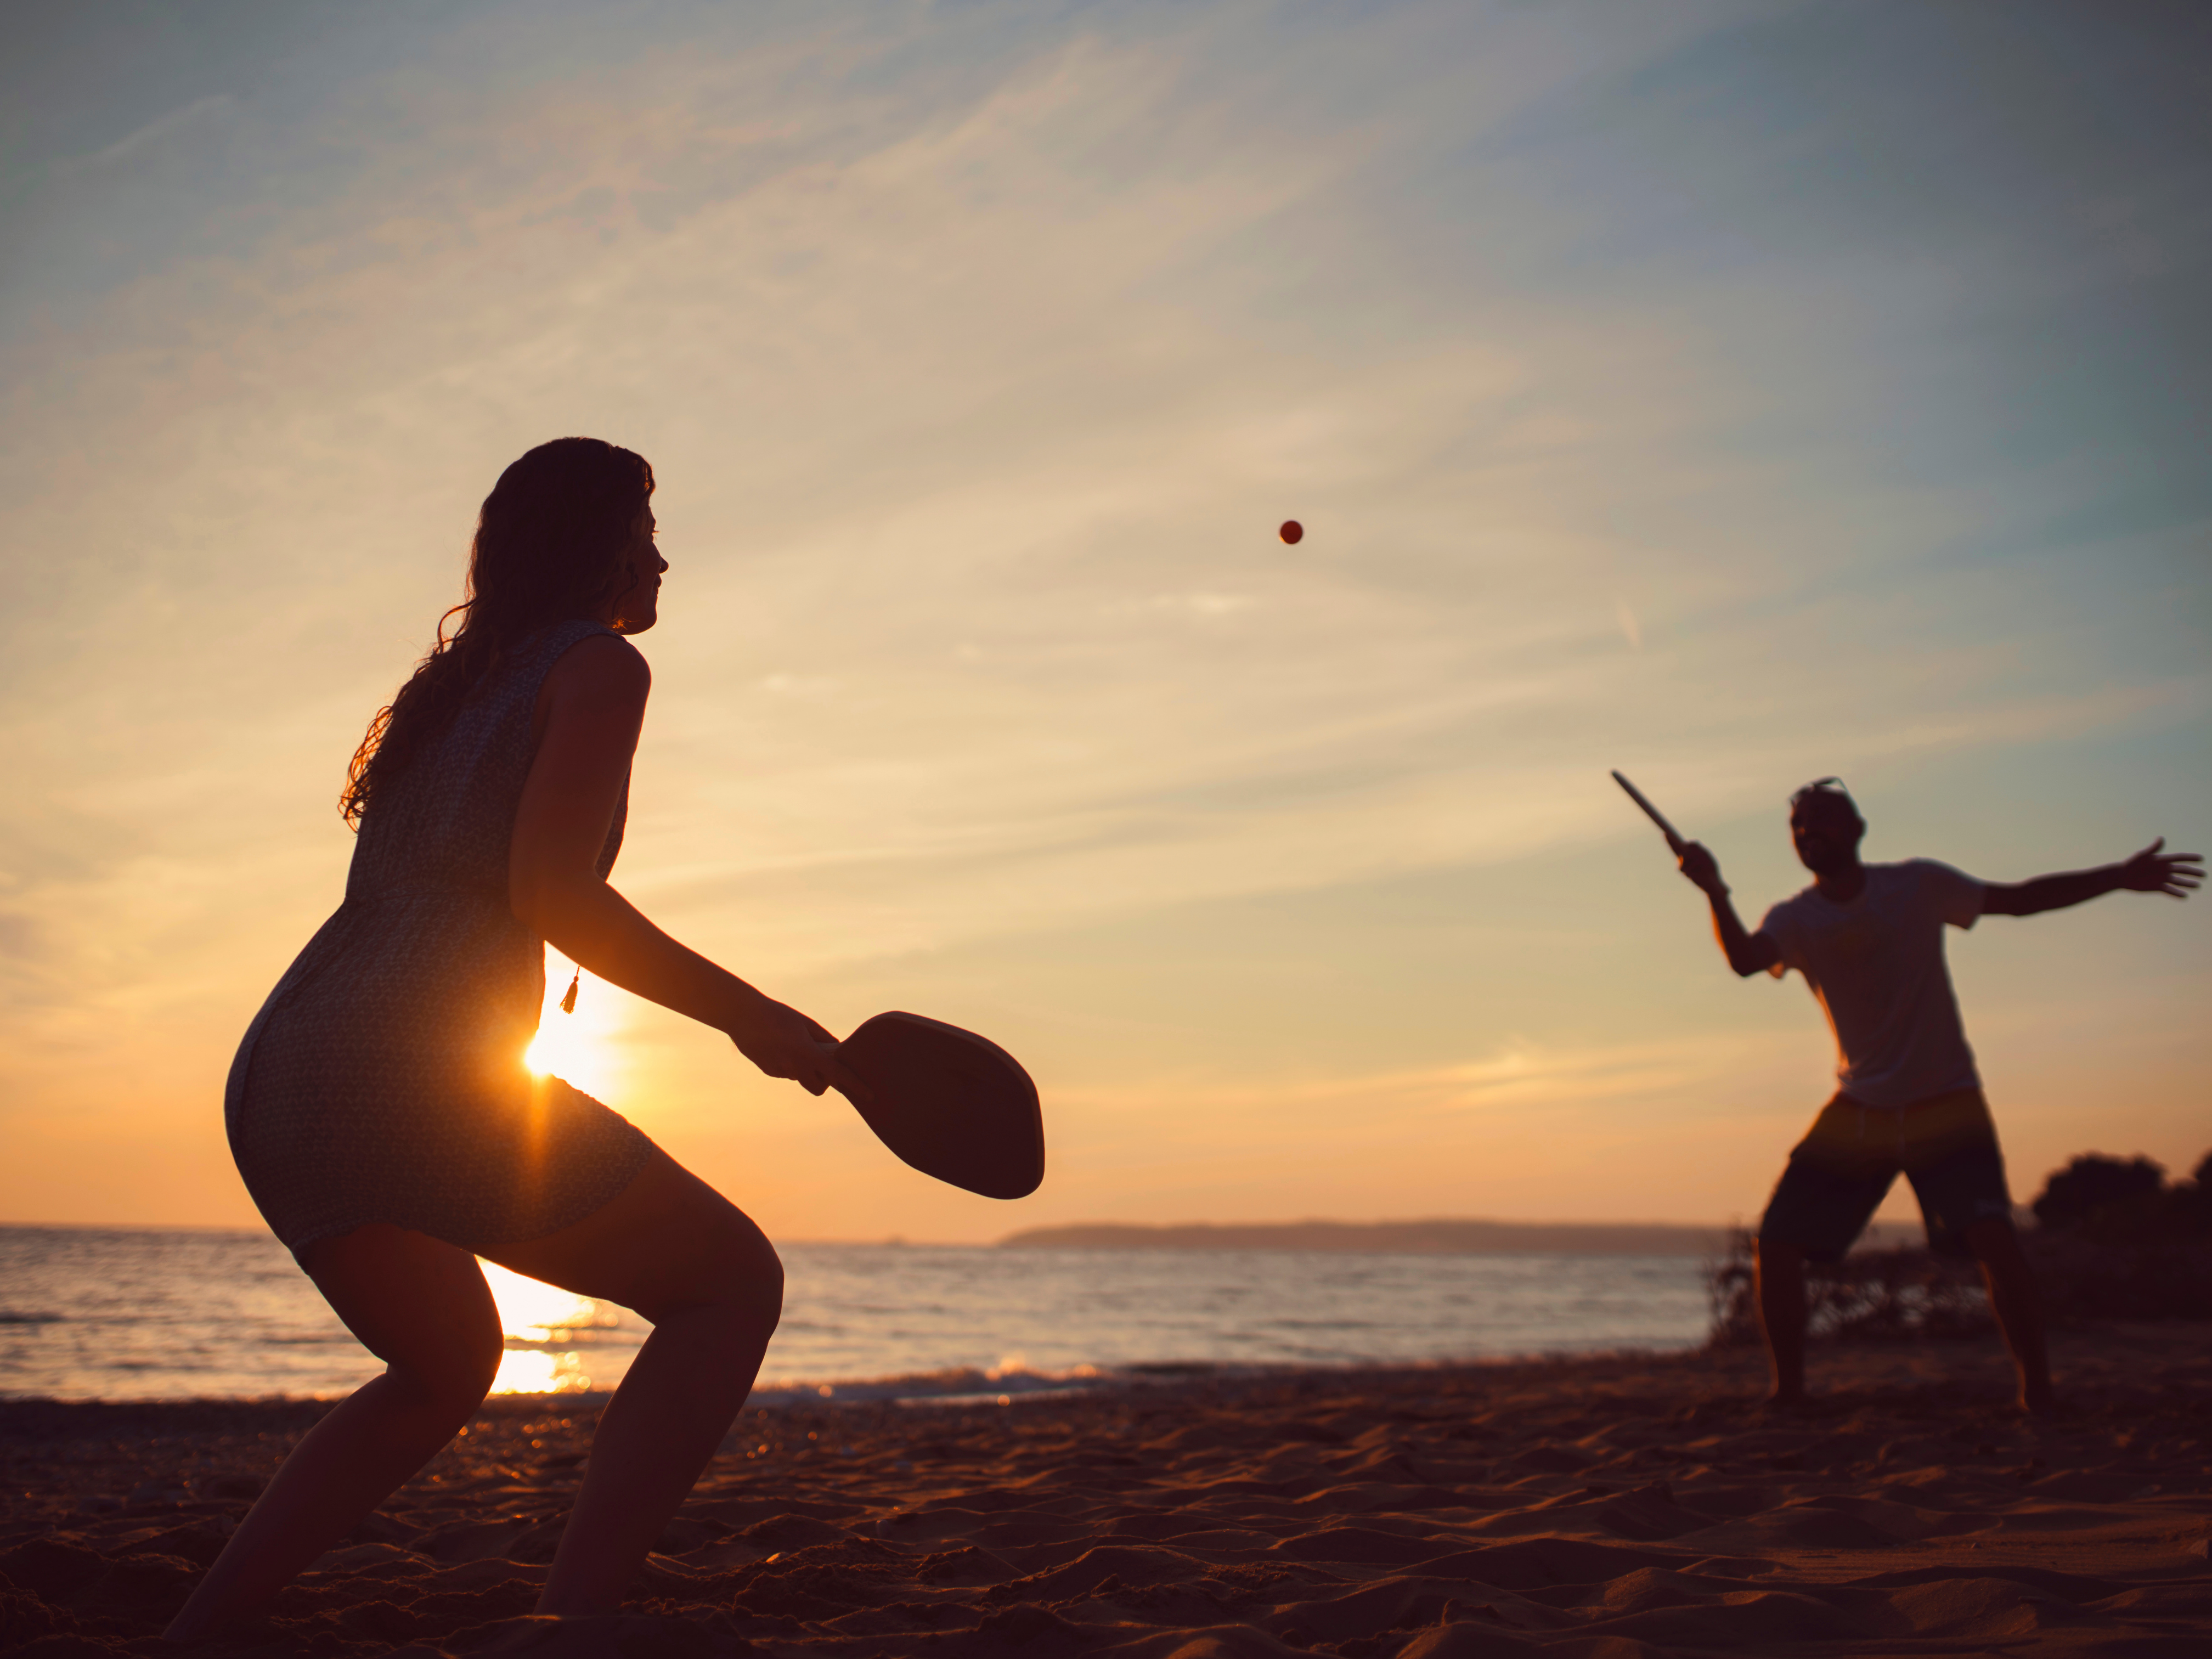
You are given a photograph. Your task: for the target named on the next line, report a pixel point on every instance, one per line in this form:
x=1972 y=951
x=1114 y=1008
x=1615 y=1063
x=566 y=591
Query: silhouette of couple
x=381 y=1117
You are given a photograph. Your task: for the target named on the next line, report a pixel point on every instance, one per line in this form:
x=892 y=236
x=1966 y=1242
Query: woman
x=378 y=1109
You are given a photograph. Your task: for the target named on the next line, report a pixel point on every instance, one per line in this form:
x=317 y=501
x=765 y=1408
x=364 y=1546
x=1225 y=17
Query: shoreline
x=954 y=1386
x=1433 y=1512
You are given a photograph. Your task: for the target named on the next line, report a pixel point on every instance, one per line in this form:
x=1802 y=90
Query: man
x=1868 y=939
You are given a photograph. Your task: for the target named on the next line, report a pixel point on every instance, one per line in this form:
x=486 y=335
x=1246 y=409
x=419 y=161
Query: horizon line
x=898 y=1238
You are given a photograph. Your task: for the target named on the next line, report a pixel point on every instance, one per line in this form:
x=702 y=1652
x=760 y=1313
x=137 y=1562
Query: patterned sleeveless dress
x=383 y=1079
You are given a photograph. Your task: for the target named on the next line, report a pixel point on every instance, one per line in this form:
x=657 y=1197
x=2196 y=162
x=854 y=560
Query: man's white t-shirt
x=1877 y=964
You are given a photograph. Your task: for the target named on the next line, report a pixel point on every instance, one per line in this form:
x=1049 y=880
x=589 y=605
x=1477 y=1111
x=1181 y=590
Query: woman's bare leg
x=421 y=1306
x=693 y=1263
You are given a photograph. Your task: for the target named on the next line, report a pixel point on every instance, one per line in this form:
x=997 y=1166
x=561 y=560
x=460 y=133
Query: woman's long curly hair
x=548 y=549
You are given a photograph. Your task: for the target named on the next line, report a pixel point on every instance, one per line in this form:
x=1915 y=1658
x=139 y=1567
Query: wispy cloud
x=979 y=356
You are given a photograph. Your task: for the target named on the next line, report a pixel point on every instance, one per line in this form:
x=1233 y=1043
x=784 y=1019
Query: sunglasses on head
x=1824 y=786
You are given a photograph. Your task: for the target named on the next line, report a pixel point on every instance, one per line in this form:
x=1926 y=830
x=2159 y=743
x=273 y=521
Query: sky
x=1731 y=393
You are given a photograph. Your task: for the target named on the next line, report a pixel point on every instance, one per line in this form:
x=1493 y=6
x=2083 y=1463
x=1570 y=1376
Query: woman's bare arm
x=592 y=707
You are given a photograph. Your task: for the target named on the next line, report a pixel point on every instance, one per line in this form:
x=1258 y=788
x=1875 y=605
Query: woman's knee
x=444 y=1379
x=667 y=1243
x=761 y=1273
x=421 y=1306
x=715 y=1254
x=740 y=1271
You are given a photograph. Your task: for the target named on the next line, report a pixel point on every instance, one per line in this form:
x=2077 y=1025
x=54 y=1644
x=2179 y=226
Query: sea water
x=140 y=1313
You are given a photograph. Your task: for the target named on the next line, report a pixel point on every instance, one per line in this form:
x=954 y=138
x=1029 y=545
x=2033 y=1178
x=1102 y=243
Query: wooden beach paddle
x=949 y=1103
x=1674 y=842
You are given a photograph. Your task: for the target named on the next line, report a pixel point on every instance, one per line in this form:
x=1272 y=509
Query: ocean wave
x=954 y=1385
x=1000 y=1385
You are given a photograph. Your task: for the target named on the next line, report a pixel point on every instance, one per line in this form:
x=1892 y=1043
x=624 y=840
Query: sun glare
x=579 y=1047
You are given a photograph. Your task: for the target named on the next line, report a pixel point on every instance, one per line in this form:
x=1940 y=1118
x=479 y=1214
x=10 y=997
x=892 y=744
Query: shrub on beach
x=2126 y=1203
x=2112 y=1240
x=1900 y=1295
x=2093 y=1185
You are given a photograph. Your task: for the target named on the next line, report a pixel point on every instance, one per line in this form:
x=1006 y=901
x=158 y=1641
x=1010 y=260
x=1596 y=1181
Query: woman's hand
x=784 y=1042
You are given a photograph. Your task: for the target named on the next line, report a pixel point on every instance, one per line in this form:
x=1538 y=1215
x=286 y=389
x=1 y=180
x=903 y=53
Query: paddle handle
x=1674 y=842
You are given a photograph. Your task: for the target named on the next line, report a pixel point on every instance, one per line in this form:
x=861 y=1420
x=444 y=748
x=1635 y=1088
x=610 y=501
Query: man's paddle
x=949 y=1103
x=1675 y=843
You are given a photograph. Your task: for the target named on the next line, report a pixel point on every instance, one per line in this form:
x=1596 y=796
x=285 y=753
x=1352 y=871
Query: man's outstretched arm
x=2151 y=871
x=1748 y=953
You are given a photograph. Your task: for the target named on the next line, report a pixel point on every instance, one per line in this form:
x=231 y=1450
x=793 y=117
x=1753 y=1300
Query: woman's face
x=638 y=606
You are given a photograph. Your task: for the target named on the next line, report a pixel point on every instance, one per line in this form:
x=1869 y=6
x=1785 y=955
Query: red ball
x=1293 y=531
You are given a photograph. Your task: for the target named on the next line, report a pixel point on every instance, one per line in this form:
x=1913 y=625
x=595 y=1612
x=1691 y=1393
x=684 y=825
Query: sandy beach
x=1602 y=1509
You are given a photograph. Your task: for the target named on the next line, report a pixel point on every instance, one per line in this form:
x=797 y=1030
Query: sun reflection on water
x=533 y=1371
x=549 y=1334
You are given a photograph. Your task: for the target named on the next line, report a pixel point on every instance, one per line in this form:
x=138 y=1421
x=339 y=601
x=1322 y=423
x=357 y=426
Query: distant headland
x=1400 y=1237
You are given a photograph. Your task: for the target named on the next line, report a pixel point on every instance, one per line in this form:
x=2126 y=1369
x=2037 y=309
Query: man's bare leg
x=1781 y=1317
x=2019 y=1308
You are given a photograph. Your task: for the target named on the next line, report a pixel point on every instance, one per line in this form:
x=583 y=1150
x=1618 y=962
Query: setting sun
x=579 y=1047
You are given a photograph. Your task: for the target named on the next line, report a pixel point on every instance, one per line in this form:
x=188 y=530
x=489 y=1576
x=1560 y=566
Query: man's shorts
x=1837 y=1176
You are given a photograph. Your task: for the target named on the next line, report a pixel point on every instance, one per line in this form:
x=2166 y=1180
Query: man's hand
x=1748 y=953
x=1702 y=869
x=2175 y=874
